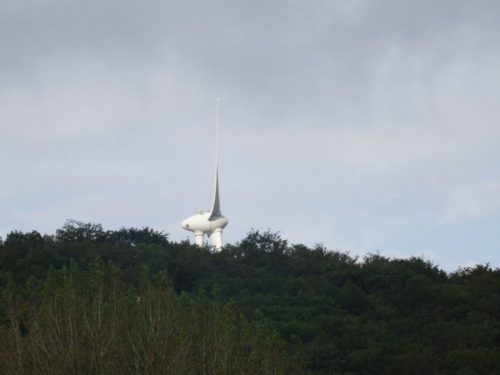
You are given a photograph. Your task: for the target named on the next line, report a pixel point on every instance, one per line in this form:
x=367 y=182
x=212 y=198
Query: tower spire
x=215 y=212
x=210 y=223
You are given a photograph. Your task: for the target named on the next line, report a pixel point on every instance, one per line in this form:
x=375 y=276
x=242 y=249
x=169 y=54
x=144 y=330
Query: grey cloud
x=347 y=112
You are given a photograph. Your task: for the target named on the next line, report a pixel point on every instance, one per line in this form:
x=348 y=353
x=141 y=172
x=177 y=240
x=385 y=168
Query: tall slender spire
x=215 y=212
x=217 y=103
x=213 y=222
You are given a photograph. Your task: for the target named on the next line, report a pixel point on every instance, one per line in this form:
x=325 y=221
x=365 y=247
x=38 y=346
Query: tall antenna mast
x=212 y=222
x=217 y=134
x=215 y=212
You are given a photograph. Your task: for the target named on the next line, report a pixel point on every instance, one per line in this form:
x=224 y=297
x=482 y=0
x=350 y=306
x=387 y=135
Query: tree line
x=86 y=300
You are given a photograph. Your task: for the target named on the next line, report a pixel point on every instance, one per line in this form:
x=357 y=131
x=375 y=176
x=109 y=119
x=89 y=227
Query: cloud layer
x=362 y=126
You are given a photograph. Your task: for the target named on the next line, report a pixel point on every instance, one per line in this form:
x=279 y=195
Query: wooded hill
x=129 y=301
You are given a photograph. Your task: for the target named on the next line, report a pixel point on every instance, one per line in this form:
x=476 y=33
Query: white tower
x=211 y=222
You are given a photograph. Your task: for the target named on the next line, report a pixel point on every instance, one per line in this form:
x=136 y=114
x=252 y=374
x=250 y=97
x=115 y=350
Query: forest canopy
x=129 y=301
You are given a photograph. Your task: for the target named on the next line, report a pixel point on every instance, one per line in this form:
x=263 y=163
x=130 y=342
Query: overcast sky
x=362 y=125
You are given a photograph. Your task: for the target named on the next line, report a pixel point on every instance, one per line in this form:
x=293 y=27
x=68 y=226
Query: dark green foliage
x=89 y=321
x=348 y=316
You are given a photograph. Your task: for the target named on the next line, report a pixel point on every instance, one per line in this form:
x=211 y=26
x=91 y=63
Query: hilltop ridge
x=322 y=311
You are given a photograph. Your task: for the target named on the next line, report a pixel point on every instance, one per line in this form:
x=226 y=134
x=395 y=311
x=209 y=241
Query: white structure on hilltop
x=211 y=222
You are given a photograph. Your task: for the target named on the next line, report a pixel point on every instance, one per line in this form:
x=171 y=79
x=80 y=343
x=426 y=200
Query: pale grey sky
x=366 y=126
